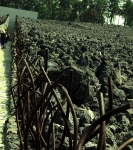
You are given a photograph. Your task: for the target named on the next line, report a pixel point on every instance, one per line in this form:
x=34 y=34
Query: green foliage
x=127 y=12
x=75 y=11
x=93 y=11
x=113 y=9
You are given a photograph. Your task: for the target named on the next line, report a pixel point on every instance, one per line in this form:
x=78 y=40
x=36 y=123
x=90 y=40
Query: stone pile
x=94 y=52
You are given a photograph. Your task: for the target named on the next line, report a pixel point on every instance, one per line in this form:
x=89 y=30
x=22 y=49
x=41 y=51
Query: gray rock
x=90 y=146
x=112 y=128
x=86 y=117
x=125 y=120
x=118 y=93
x=109 y=137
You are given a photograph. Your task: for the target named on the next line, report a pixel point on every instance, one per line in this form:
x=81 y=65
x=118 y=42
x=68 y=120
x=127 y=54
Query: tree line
x=94 y=11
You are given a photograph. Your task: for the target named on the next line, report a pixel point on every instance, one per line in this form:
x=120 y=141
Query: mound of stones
x=94 y=52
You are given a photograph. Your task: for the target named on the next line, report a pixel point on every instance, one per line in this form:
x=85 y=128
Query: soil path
x=5 y=84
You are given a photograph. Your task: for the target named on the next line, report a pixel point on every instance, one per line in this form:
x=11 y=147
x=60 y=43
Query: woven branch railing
x=38 y=104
